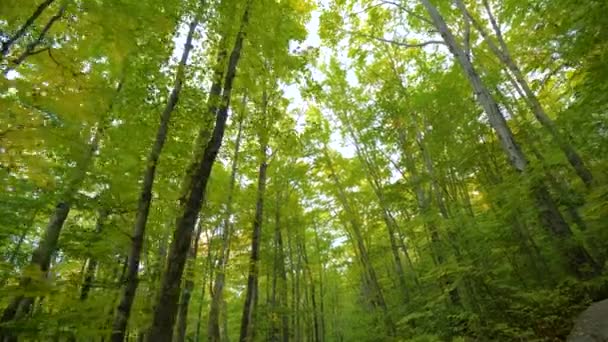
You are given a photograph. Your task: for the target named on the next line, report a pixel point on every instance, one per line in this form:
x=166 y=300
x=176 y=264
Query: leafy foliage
x=357 y=141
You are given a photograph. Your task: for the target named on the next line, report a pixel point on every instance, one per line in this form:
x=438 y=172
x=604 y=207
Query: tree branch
x=402 y=44
x=30 y=47
x=467 y=29
x=407 y=10
x=21 y=32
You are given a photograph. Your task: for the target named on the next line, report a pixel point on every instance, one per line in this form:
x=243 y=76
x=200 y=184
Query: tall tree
x=166 y=306
x=577 y=257
x=145 y=198
x=224 y=253
x=248 y=320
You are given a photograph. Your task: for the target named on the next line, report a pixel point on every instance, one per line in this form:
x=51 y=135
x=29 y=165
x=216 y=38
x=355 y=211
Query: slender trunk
x=249 y=308
x=29 y=50
x=549 y=213
x=497 y=120
x=166 y=308
x=424 y=208
x=313 y=295
x=505 y=57
x=321 y=291
x=206 y=271
x=377 y=297
x=279 y=282
x=219 y=282
x=248 y=317
x=123 y=310
x=182 y=316
x=6 y=46
x=295 y=300
x=92 y=262
x=428 y=162
x=389 y=220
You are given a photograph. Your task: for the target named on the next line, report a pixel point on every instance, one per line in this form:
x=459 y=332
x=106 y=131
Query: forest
x=302 y=170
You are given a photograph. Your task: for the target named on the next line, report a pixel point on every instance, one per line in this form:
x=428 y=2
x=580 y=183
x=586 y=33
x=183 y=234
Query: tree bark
x=248 y=317
x=123 y=310
x=313 y=295
x=166 y=308
x=321 y=291
x=485 y=99
x=206 y=271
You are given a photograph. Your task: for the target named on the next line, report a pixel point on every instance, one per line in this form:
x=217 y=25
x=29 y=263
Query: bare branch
x=495 y=25
x=402 y=44
x=407 y=10
x=365 y=9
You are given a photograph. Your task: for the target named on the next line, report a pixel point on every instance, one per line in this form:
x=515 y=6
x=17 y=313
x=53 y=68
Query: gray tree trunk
x=550 y=216
x=541 y=116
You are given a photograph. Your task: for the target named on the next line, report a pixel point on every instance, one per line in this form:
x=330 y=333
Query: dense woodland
x=292 y=170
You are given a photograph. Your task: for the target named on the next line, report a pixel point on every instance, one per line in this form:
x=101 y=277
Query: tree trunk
x=166 y=308
x=389 y=220
x=548 y=210
x=182 y=317
x=206 y=271
x=485 y=99
x=321 y=291
x=249 y=308
x=313 y=295
x=504 y=56
x=6 y=46
x=92 y=262
x=377 y=299
x=279 y=282
x=428 y=162
x=218 y=285
x=41 y=257
x=123 y=310
x=424 y=201
x=248 y=317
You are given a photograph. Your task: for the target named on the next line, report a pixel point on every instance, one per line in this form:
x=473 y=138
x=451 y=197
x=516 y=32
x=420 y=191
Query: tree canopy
x=301 y=170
